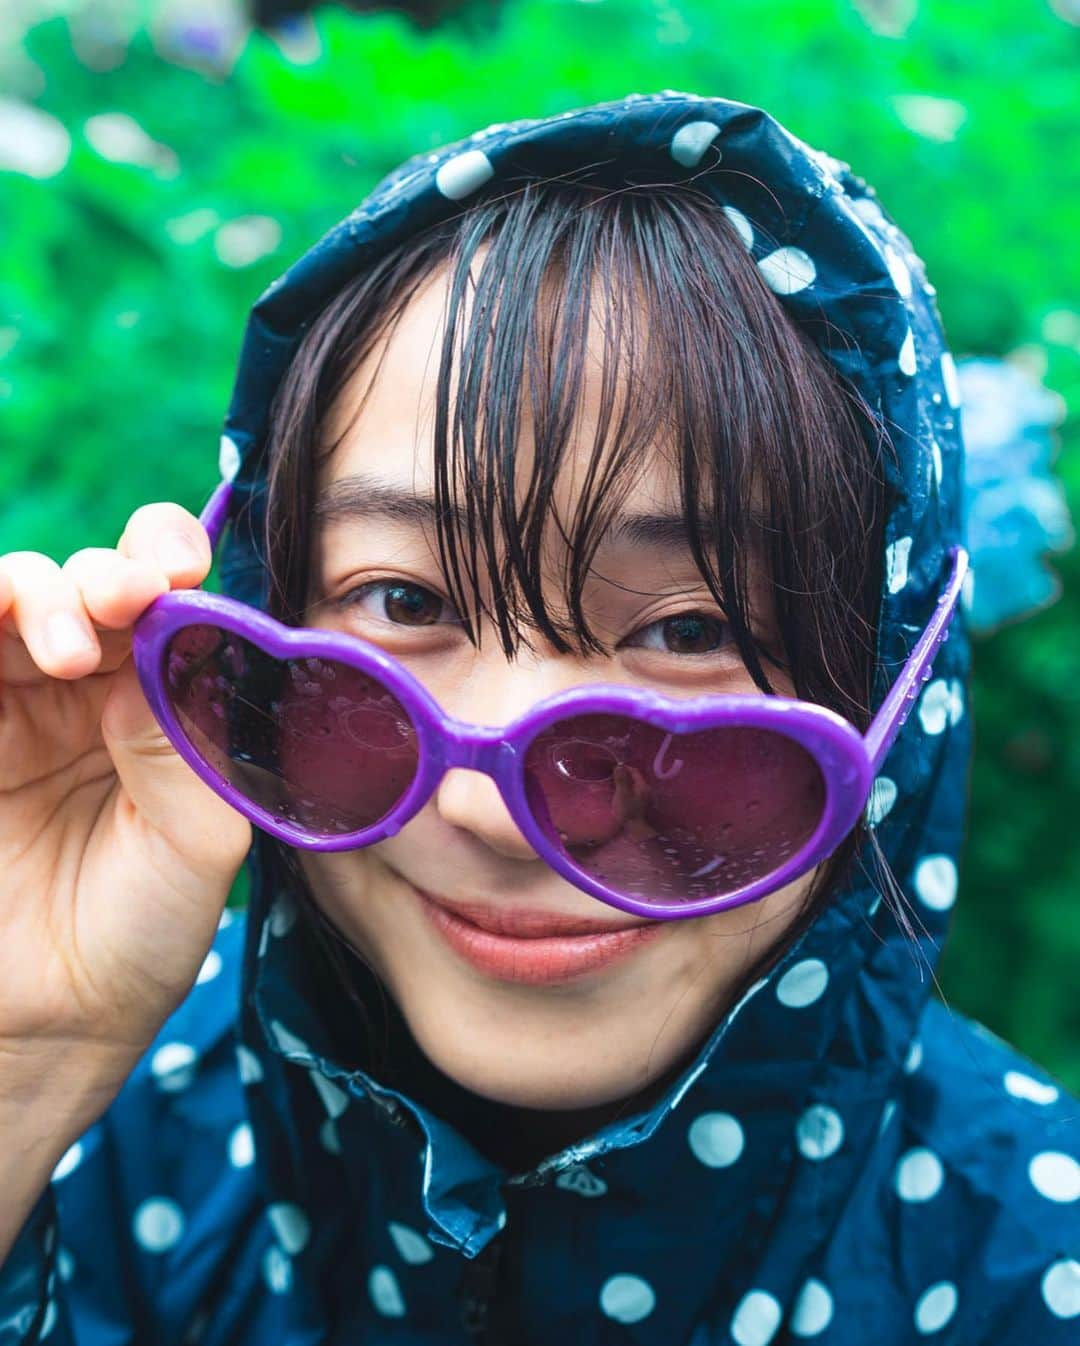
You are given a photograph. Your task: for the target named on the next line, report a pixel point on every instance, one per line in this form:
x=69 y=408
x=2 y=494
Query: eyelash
x=354 y=598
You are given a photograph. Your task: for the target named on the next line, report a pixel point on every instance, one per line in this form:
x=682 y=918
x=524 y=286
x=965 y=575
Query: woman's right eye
x=400 y=602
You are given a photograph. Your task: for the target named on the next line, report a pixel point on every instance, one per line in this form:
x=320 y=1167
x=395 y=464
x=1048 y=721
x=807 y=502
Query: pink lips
x=530 y=946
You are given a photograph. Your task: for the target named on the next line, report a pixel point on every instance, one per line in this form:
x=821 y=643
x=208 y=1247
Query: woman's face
x=517 y=1032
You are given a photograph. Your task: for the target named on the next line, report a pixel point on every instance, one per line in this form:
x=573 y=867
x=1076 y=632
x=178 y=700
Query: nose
x=471 y=801
x=496 y=693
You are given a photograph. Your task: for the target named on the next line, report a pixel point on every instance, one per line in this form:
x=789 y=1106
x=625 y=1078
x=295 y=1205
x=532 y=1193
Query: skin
x=565 y=1057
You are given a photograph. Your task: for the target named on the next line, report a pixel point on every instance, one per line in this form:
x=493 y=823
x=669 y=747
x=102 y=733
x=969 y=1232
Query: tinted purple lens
x=671 y=818
x=312 y=741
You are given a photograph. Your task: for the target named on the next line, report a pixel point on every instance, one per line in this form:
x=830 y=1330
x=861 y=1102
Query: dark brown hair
x=777 y=456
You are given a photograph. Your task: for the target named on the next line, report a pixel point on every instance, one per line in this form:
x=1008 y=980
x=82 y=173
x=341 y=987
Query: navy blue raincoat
x=847 y=1160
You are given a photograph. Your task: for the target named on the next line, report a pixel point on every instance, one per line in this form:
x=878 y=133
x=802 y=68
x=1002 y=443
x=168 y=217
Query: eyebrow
x=364 y=497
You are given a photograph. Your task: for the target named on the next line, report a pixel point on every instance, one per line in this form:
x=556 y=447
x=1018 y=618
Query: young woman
x=590 y=533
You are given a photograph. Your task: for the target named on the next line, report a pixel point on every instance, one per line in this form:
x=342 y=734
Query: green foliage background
x=120 y=321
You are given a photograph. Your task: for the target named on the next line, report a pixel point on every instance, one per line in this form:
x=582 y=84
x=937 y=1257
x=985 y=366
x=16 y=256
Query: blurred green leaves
x=191 y=182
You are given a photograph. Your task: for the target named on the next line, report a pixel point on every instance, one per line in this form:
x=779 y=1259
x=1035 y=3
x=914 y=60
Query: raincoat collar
x=805 y=1067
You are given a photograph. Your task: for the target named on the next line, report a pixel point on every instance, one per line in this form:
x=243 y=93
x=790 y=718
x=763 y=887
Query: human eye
x=684 y=633
x=399 y=603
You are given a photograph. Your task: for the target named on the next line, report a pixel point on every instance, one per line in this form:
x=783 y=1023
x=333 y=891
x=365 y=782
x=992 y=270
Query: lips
x=545 y=948
x=529 y=922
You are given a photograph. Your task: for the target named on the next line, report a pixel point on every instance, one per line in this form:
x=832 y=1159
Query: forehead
x=382 y=423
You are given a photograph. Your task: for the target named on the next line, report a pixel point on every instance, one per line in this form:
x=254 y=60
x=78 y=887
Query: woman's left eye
x=400 y=602
x=684 y=633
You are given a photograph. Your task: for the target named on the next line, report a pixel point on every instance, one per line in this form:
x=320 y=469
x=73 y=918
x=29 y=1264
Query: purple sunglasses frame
x=848 y=760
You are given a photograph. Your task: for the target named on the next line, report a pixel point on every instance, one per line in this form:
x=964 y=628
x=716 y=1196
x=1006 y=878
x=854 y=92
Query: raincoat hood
x=730 y=1189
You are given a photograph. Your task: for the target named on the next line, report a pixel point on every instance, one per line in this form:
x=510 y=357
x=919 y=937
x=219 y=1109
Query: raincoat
x=846 y=1160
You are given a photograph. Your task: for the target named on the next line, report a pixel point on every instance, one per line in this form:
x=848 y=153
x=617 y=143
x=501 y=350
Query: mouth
x=531 y=946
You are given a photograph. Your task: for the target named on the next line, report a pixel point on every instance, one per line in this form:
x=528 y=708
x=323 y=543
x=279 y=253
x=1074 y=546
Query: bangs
x=697 y=363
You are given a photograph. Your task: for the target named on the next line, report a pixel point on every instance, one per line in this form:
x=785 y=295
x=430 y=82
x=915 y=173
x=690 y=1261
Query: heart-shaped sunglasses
x=664 y=808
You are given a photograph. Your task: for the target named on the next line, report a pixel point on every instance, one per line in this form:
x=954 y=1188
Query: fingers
x=170 y=538
x=56 y=611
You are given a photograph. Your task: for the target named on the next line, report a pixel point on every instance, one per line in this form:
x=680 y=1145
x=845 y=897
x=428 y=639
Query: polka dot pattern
x=813 y=1310
x=935 y=1307
x=919 y=1175
x=277 y=1270
x=69 y=1162
x=941 y=704
x=716 y=1139
x=412 y=1247
x=802 y=984
x=1055 y=1175
x=883 y=794
x=242 y=1146
x=1035 y=1091
x=787 y=270
x=228 y=458
x=158 y=1224
x=1060 y=1288
x=290 y=1224
x=463 y=174
x=211 y=966
x=896 y=564
x=741 y=225
x=820 y=1132
x=690 y=142
x=756 y=1319
x=936 y=882
x=173 y=1066
x=906 y=359
x=385 y=1293
x=627 y=1299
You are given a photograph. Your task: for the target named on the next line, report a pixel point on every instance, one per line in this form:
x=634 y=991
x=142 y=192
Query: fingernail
x=66 y=635
x=175 y=551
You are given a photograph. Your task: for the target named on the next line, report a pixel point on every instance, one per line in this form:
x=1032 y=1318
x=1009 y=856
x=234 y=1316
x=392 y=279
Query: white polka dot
x=386 y=1293
x=936 y=881
x=950 y=380
x=49 y=1321
x=906 y=358
x=329 y=1138
x=901 y=276
x=1061 y=1288
x=290 y=1224
x=277 y=1270
x=23 y=1320
x=335 y=1100
x=69 y=1162
x=802 y=984
x=716 y=1139
x=282 y=916
x=787 y=270
x=412 y=1247
x=1055 y=1175
x=942 y=703
x=967 y=589
x=228 y=458
x=935 y=1307
x=742 y=225
x=919 y=1175
x=813 y=1310
x=914 y=1058
x=210 y=968
x=820 y=1131
x=462 y=174
x=289 y=1044
x=1035 y=1091
x=756 y=1319
x=896 y=563
x=65 y=1264
x=227 y=918
x=882 y=797
x=627 y=1299
x=158 y=1224
x=173 y=1066
x=691 y=141
x=935 y=459
x=242 y=1146
x=249 y=1065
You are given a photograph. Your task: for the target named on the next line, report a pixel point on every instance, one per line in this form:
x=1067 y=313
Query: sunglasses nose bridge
x=475 y=748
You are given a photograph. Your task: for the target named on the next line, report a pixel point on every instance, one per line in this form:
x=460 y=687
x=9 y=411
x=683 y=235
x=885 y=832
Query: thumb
x=211 y=836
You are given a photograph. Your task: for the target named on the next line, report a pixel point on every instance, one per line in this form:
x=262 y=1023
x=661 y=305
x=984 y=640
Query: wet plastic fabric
x=846 y=1160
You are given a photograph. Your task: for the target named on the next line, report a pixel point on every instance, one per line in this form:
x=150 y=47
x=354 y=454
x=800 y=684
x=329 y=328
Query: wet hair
x=779 y=462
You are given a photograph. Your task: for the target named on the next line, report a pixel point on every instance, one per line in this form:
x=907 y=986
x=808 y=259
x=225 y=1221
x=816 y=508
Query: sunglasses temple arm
x=216 y=512
x=896 y=707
